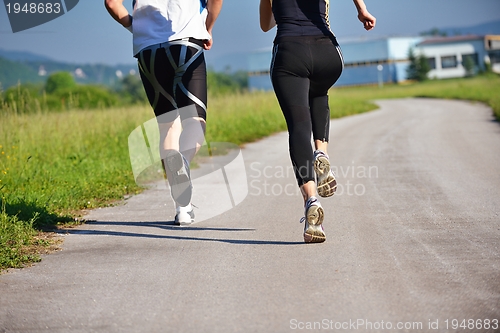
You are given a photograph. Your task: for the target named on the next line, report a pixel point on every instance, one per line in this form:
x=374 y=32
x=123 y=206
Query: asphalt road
x=413 y=240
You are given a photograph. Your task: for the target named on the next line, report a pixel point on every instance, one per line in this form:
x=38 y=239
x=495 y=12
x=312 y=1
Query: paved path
x=413 y=236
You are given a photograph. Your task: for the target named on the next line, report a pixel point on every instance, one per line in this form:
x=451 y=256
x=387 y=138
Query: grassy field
x=54 y=165
x=482 y=89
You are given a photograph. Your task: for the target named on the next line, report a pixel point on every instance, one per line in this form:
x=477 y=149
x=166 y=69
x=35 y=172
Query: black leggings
x=302 y=70
x=174 y=76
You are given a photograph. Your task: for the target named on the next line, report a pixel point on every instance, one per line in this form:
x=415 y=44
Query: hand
x=207 y=43
x=367 y=19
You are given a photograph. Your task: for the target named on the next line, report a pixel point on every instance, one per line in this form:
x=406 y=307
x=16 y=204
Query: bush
x=418 y=68
x=59 y=81
x=222 y=83
x=82 y=97
x=22 y=99
x=61 y=93
x=132 y=90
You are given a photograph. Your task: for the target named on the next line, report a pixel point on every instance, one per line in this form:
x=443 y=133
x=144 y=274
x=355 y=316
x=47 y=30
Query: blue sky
x=87 y=34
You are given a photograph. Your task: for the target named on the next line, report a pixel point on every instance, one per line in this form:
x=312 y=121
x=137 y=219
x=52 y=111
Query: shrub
x=82 y=97
x=418 y=68
x=22 y=99
x=131 y=90
x=59 y=81
x=220 y=83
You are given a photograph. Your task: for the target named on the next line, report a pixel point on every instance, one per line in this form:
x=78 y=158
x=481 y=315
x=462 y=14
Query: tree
x=418 y=68
x=434 y=32
x=223 y=83
x=487 y=64
x=132 y=89
x=59 y=81
x=469 y=66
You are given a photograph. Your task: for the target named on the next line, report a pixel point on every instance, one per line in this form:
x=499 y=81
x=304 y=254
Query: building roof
x=454 y=39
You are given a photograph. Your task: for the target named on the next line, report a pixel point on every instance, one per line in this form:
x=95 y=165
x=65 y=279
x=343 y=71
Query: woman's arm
x=364 y=16
x=118 y=11
x=267 y=21
x=214 y=7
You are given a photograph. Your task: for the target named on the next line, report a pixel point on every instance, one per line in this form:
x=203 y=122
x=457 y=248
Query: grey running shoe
x=325 y=178
x=314 y=215
x=179 y=177
x=184 y=216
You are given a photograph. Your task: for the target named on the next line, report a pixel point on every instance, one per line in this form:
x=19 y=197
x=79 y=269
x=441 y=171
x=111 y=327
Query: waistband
x=306 y=39
x=169 y=43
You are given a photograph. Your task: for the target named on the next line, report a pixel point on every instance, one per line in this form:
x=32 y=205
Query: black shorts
x=174 y=76
x=315 y=58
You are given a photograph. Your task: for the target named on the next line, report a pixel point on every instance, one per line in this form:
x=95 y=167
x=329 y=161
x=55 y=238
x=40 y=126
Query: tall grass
x=31 y=98
x=67 y=161
x=244 y=117
x=53 y=165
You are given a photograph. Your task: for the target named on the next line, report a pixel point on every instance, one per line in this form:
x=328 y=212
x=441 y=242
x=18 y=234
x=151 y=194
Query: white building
x=376 y=61
x=447 y=56
x=373 y=61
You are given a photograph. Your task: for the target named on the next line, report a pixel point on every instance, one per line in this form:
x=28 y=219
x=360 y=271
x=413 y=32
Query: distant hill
x=22 y=56
x=488 y=28
x=12 y=72
x=26 y=67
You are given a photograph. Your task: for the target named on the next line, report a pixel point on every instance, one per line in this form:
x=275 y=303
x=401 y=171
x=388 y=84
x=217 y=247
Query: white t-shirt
x=159 y=21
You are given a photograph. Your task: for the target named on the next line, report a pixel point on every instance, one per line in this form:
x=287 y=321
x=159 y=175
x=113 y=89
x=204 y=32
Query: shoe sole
x=327 y=185
x=180 y=184
x=184 y=223
x=314 y=233
x=188 y=221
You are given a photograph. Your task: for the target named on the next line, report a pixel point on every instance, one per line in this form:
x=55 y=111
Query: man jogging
x=169 y=38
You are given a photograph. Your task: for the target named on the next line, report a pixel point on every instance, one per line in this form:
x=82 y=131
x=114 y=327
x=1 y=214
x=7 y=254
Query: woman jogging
x=169 y=38
x=306 y=62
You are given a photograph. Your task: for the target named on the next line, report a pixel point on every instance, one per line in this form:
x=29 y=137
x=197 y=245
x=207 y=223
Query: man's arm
x=118 y=11
x=267 y=21
x=214 y=7
x=364 y=16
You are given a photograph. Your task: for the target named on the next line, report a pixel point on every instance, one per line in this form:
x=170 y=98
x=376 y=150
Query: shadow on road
x=169 y=225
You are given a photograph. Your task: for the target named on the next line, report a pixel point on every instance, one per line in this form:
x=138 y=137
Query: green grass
x=67 y=161
x=243 y=118
x=482 y=89
x=15 y=237
x=54 y=165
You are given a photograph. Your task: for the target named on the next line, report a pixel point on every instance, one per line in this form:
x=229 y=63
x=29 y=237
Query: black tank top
x=301 y=17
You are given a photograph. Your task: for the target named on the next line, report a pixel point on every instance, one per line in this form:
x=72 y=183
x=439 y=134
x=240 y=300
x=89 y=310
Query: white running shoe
x=184 y=215
x=179 y=177
x=325 y=178
x=314 y=215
